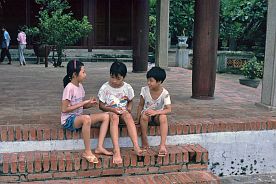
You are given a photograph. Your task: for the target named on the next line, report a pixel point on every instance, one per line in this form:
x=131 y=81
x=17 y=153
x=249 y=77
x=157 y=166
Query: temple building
x=112 y=20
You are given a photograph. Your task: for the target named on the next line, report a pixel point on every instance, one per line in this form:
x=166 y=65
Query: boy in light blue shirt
x=5 y=46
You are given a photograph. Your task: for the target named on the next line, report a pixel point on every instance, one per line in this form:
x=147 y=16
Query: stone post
x=182 y=56
x=162 y=30
x=268 y=98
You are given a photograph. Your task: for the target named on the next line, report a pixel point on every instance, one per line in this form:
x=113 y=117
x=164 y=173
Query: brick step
x=43 y=132
x=190 y=177
x=32 y=166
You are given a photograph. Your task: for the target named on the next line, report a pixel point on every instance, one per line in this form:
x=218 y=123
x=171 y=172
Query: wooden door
x=113 y=23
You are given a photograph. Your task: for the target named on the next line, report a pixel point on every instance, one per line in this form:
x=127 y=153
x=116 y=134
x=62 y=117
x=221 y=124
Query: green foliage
x=57 y=26
x=253 y=69
x=244 y=21
x=181 y=18
x=152 y=25
x=152 y=33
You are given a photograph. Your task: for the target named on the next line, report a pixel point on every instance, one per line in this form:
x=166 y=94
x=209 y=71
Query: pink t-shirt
x=21 y=38
x=75 y=94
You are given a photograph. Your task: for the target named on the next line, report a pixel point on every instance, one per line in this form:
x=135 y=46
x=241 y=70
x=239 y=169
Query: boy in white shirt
x=116 y=96
x=154 y=105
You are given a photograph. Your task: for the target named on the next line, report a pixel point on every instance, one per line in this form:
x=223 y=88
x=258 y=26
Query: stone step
x=83 y=55
x=37 y=165
x=44 y=132
x=190 y=177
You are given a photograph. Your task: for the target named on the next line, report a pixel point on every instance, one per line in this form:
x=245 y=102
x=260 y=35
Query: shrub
x=57 y=26
x=253 y=69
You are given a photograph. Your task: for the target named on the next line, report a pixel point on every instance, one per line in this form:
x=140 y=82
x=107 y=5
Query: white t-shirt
x=116 y=97
x=75 y=94
x=159 y=103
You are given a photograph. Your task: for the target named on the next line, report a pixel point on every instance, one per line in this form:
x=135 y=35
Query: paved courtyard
x=32 y=94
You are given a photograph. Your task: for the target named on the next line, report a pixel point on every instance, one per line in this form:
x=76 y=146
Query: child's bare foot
x=117 y=159
x=103 y=151
x=138 y=151
x=90 y=157
x=145 y=143
x=162 y=151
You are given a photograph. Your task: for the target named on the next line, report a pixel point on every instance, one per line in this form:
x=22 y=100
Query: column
x=162 y=32
x=89 y=11
x=268 y=98
x=205 y=48
x=140 y=35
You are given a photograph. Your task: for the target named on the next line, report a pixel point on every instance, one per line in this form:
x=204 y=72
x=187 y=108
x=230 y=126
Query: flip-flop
x=145 y=149
x=91 y=158
x=162 y=154
x=121 y=161
x=139 y=154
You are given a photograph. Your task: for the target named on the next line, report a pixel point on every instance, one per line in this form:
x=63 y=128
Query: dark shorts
x=69 y=124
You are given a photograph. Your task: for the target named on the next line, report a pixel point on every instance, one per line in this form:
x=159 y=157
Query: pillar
x=268 y=98
x=162 y=33
x=205 y=48
x=140 y=35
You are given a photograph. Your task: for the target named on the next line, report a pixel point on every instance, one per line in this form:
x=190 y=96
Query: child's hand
x=90 y=102
x=119 y=110
x=93 y=101
x=150 y=112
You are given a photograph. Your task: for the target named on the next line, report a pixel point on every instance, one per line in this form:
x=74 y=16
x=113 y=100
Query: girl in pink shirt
x=21 y=38
x=73 y=103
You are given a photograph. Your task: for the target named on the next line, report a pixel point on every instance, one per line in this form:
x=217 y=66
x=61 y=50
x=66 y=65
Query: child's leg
x=104 y=119
x=114 y=132
x=164 y=132
x=131 y=128
x=144 y=121
x=84 y=121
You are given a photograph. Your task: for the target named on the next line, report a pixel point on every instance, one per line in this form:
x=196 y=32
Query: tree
x=152 y=25
x=57 y=26
x=1 y=3
x=243 y=21
x=181 y=18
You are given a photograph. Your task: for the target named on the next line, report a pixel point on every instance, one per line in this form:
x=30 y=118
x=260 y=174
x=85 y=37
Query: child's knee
x=163 y=118
x=144 y=117
x=106 y=117
x=114 y=118
x=127 y=117
x=86 y=120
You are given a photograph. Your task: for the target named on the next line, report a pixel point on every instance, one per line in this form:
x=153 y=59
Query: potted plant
x=253 y=72
x=57 y=26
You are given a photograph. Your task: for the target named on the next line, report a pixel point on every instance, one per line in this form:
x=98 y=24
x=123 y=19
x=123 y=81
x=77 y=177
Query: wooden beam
x=140 y=35
x=205 y=48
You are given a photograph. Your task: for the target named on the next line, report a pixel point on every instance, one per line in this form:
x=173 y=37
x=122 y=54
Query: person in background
x=5 y=46
x=21 y=38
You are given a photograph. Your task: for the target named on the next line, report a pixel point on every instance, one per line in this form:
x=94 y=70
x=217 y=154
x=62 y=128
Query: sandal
x=91 y=158
x=139 y=153
x=162 y=153
x=145 y=148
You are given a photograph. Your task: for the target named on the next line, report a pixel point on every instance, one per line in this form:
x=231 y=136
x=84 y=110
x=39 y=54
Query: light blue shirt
x=6 y=40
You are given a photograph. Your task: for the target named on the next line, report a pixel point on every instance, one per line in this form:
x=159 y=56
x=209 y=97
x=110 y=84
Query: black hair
x=118 y=68
x=72 y=66
x=157 y=73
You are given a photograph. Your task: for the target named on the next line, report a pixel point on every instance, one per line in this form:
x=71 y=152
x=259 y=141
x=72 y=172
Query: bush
x=56 y=26
x=253 y=69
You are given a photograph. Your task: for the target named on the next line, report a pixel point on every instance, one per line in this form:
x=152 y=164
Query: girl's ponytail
x=72 y=66
x=66 y=80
